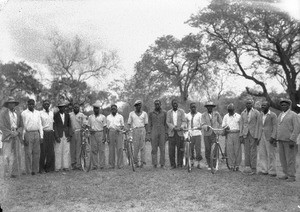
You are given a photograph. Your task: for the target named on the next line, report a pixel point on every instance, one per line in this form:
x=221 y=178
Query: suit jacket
x=268 y=128
x=181 y=121
x=289 y=127
x=5 y=125
x=249 y=125
x=214 y=122
x=60 y=127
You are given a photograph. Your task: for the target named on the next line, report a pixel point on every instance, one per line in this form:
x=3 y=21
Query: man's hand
x=241 y=139
x=176 y=128
x=292 y=144
x=57 y=140
x=68 y=139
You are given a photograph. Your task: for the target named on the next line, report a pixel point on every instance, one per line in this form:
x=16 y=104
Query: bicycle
x=85 y=153
x=128 y=147
x=187 y=150
x=215 y=159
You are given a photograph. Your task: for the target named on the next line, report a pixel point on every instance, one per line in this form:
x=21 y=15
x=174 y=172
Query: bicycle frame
x=129 y=148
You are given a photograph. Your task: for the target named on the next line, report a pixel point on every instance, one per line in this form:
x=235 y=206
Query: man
x=138 y=121
x=248 y=136
x=10 y=125
x=157 y=131
x=62 y=132
x=176 y=122
x=231 y=123
x=47 y=160
x=115 y=123
x=194 y=125
x=97 y=124
x=33 y=136
x=266 y=134
x=78 y=119
x=288 y=129
x=210 y=119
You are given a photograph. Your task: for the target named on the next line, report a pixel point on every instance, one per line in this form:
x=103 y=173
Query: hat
x=137 y=102
x=62 y=103
x=230 y=106
x=97 y=104
x=10 y=100
x=285 y=100
x=209 y=103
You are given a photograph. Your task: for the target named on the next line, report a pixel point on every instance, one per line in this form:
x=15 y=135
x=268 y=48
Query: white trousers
x=62 y=154
x=267 y=156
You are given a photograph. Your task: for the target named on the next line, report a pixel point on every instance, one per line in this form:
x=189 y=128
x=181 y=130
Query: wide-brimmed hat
x=97 y=104
x=137 y=102
x=62 y=103
x=209 y=104
x=285 y=100
x=10 y=100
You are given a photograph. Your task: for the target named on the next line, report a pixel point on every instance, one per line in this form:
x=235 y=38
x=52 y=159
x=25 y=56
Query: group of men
x=52 y=142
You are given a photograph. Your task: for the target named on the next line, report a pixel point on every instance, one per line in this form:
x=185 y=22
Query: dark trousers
x=158 y=140
x=196 y=147
x=47 y=160
x=176 y=142
x=208 y=141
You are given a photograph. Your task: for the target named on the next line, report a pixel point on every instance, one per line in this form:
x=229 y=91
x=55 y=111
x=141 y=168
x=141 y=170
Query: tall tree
x=258 y=39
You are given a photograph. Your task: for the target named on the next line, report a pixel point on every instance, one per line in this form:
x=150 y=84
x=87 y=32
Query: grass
x=149 y=189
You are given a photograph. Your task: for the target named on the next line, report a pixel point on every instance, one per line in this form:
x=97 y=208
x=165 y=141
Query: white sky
x=128 y=26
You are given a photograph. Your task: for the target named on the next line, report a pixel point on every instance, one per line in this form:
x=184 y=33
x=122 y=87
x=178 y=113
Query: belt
x=48 y=130
x=139 y=127
x=32 y=131
x=233 y=131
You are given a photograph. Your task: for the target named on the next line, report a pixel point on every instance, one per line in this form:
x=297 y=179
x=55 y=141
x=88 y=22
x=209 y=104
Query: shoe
x=32 y=173
x=283 y=178
x=273 y=175
x=247 y=171
x=208 y=168
x=251 y=173
x=237 y=169
x=13 y=176
x=198 y=166
x=262 y=173
x=173 y=167
x=162 y=166
x=290 y=179
x=155 y=166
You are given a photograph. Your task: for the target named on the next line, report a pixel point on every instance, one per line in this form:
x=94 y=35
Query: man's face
x=62 y=109
x=193 y=108
x=157 y=105
x=76 y=108
x=265 y=107
x=138 y=107
x=209 y=108
x=230 y=111
x=96 y=110
x=284 y=106
x=31 y=105
x=174 y=105
x=11 y=105
x=249 y=105
x=46 y=105
x=114 y=110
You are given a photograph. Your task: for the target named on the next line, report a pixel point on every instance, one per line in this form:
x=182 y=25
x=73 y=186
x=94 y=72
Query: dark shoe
x=237 y=169
x=283 y=178
x=32 y=173
x=273 y=175
x=155 y=166
x=13 y=176
x=262 y=173
x=291 y=179
x=162 y=166
x=251 y=173
x=173 y=167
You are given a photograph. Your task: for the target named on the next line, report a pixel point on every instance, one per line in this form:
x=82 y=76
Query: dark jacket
x=60 y=127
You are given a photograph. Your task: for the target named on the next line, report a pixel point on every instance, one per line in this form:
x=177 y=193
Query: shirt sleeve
x=122 y=121
x=129 y=119
x=146 y=118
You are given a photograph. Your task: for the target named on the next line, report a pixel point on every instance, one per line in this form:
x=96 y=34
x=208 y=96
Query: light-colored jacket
x=249 y=125
x=268 y=127
x=289 y=127
x=5 y=125
x=214 y=122
x=181 y=122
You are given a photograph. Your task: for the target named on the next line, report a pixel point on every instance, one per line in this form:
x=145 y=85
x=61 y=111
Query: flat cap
x=285 y=100
x=137 y=102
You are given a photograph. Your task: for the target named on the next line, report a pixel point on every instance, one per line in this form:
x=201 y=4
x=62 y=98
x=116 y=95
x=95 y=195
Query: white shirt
x=115 y=122
x=232 y=121
x=97 y=123
x=47 y=119
x=13 y=119
x=32 y=122
x=138 y=121
x=175 y=117
x=62 y=116
x=265 y=116
x=196 y=123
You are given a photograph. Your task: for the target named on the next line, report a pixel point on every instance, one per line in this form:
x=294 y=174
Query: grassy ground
x=149 y=189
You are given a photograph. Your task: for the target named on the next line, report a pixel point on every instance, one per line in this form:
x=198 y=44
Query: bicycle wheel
x=130 y=151
x=188 y=157
x=226 y=156
x=85 y=157
x=126 y=148
x=214 y=158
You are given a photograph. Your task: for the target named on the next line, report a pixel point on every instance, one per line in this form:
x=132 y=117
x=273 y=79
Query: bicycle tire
x=127 y=152
x=214 y=158
x=131 y=156
x=226 y=156
x=188 y=157
x=85 y=157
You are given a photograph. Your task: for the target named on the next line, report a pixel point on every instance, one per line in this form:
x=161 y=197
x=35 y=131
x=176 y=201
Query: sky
x=127 y=26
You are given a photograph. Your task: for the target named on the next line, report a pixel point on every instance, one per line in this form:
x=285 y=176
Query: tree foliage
x=258 y=39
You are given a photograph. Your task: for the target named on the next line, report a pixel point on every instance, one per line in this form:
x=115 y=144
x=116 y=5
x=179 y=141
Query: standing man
x=157 y=131
x=77 y=120
x=194 y=125
x=288 y=130
x=248 y=136
x=231 y=123
x=138 y=121
x=47 y=159
x=115 y=123
x=97 y=124
x=176 y=122
x=62 y=128
x=266 y=135
x=10 y=125
x=210 y=119
x=33 y=135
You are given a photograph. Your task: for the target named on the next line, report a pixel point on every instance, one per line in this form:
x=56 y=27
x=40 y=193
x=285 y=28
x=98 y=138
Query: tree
x=258 y=40
x=18 y=80
x=177 y=64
